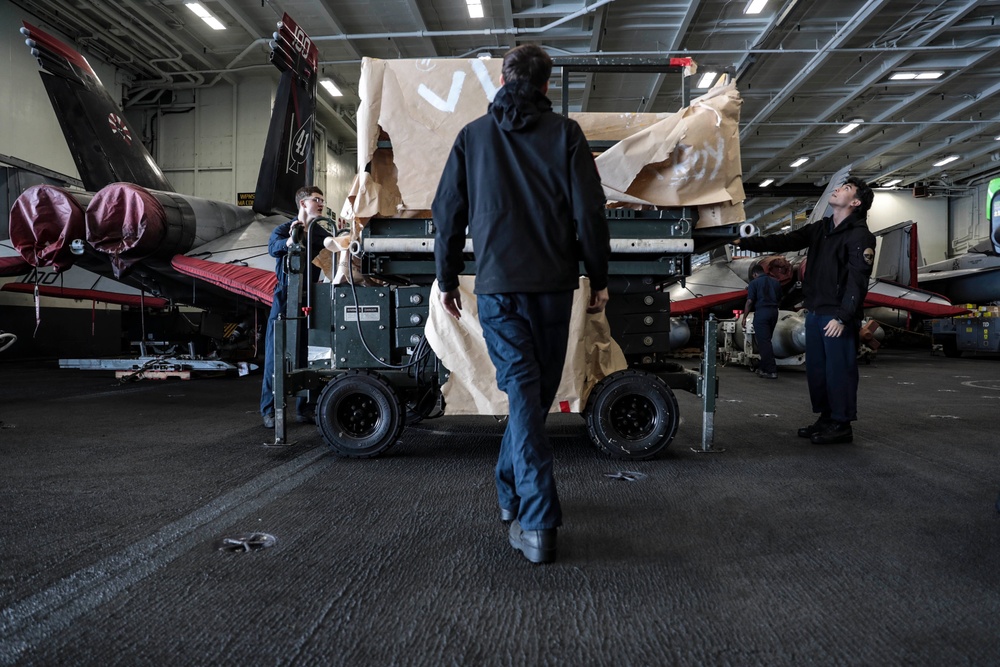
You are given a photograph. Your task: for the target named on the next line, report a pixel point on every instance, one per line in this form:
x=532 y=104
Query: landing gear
x=632 y=414
x=359 y=414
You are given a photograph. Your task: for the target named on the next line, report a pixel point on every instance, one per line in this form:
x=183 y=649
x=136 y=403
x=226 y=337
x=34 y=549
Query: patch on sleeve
x=869 y=255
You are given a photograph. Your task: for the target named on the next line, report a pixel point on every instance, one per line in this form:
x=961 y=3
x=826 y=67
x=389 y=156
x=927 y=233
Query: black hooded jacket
x=523 y=180
x=838 y=265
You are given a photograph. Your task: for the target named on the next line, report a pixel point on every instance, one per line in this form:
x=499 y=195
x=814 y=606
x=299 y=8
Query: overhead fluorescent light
x=199 y=10
x=798 y=163
x=947 y=160
x=330 y=87
x=785 y=228
x=850 y=127
x=706 y=79
x=766 y=182
x=755 y=7
x=475 y=9
x=997 y=138
x=910 y=76
x=889 y=184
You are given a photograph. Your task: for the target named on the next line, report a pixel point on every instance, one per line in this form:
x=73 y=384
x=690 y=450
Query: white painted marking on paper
x=448 y=106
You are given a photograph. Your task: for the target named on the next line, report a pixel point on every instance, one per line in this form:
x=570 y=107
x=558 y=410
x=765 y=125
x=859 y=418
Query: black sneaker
x=768 y=376
x=834 y=434
x=814 y=428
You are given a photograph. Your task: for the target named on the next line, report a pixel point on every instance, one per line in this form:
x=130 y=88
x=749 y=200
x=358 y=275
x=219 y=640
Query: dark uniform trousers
x=526 y=335
x=764 y=321
x=832 y=369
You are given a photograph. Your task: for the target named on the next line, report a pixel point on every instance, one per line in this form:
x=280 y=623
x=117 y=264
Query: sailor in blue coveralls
x=310 y=202
x=763 y=296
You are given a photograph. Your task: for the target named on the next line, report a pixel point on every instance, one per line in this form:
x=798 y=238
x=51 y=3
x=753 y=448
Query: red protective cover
x=245 y=280
x=13 y=266
x=43 y=222
x=125 y=219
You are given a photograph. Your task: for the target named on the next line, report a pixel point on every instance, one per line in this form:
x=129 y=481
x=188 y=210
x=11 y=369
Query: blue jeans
x=526 y=335
x=832 y=369
x=267 y=385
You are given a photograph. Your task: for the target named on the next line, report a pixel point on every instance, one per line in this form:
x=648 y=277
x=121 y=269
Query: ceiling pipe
x=426 y=34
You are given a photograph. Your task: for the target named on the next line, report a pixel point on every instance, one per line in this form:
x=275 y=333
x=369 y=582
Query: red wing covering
x=88 y=295
x=689 y=306
x=43 y=222
x=244 y=280
x=13 y=266
x=923 y=308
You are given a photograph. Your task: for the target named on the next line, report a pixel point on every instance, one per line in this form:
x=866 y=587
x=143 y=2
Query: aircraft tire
x=359 y=415
x=632 y=414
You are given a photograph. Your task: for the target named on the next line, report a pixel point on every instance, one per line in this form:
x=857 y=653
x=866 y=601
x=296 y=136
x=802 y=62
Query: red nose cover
x=126 y=222
x=778 y=267
x=43 y=222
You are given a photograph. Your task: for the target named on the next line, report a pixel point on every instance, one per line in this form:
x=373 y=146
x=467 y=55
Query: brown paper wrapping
x=688 y=158
x=472 y=388
x=691 y=158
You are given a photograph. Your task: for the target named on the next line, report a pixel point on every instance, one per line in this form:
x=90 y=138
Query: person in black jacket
x=524 y=182
x=838 y=266
x=763 y=296
x=310 y=202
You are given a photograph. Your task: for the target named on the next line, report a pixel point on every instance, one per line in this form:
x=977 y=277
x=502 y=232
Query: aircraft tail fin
x=288 y=153
x=104 y=146
x=899 y=254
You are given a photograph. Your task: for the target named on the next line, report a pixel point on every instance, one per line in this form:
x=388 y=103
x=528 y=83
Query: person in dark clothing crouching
x=523 y=180
x=763 y=296
x=838 y=266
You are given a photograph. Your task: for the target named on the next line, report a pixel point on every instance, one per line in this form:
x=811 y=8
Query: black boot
x=834 y=434
x=538 y=546
x=819 y=425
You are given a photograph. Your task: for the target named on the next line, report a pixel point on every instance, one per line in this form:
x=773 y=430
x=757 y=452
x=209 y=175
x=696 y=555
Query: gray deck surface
x=773 y=552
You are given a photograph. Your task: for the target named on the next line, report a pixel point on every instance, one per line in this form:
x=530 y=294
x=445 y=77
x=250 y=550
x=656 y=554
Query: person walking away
x=763 y=296
x=523 y=180
x=838 y=266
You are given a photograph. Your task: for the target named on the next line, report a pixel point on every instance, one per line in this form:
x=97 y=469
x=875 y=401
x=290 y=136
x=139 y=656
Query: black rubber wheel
x=632 y=414
x=359 y=414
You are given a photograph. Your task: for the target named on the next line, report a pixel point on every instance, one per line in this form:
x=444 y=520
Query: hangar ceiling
x=921 y=77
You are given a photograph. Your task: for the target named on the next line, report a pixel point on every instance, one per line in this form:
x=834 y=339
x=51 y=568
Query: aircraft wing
x=237 y=262
x=882 y=293
x=709 y=286
x=934 y=276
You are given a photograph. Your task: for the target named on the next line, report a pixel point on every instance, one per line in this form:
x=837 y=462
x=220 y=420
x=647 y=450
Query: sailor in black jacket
x=524 y=182
x=838 y=267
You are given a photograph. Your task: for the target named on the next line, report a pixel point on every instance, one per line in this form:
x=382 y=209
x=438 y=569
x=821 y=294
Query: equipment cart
x=380 y=373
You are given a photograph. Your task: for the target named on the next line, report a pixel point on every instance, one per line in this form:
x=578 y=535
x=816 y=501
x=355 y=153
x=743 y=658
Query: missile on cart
x=789 y=337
